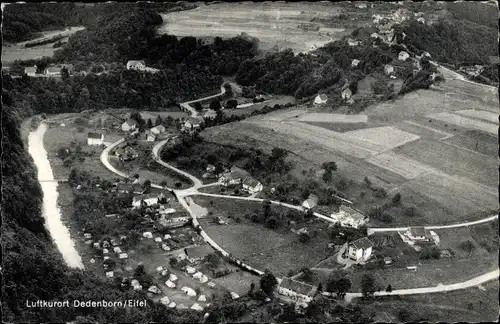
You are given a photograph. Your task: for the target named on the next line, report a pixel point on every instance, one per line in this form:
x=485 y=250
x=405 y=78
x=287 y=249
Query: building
x=210 y=168
x=126 y=153
x=148 y=200
x=134 y=188
x=310 y=202
x=388 y=69
x=53 y=71
x=30 y=71
x=346 y=93
x=158 y=129
x=349 y=217
x=197 y=253
x=129 y=125
x=418 y=234
x=353 y=42
x=320 y=99
x=403 y=56
x=166 y=222
x=95 y=138
x=210 y=114
x=136 y=65
x=360 y=250
x=234 y=176
x=355 y=63
x=251 y=185
x=192 y=123
x=296 y=290
x=150 y=137
x=421 y=20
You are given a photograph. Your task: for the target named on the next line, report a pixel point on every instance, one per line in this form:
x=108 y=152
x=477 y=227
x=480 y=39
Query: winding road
x=183 y=197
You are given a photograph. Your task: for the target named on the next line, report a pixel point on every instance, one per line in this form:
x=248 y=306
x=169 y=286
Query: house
x=129 y=125
x=197 y=253
x=95 y=138
x=53 y=71
x=296 y=290
x=136 y=65
x=30 y=71
x=355 y=63
x=320 y=99
x=374 y=35
x=349 y=217
x=421 y=20
x=148 y=200
x=346 y=93
x=352 y=42
x=360 y=250
x=151 y=137
x=158 y=129
x=310 y=202
x=233 y=177
x=192 y=123
x=252 y=185
x=210 y=114
x=210 y=168
x=68 y=67
x=418 y=234
x=403 y=56
x=134 y=188
x=126 y=154
x=388 y=69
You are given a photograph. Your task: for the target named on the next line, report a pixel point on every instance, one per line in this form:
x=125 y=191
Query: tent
x=165 y=300
x=197 y=307
x=170 y=284
x=189 y=291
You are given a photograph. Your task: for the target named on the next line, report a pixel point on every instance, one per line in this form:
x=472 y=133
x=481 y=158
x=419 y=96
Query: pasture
x=488 y=116
x=465 y=122
x=485 y=143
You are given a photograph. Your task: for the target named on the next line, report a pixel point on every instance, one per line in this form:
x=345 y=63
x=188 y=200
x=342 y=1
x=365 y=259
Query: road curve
x=156 y=150
x=194 y=113
x=105 y=159
x=439 y=288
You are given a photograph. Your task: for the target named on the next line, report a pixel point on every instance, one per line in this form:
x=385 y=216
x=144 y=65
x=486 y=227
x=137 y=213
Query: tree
x=388 y=289
x=231 y=104
x=149 y=124
x=229 y=90
x=212 y=260
x=329 y=166
x=197 y=106
x=327 y=176
x=215 y=105
x=304 y=238
x=340 y=286
x=158 y=121
x=163 y=183
x=467 y=246
x=146 y=186
x=396 y=199
x=268 y=282
x=178 y=185
x=368 y=285
x=64 y=74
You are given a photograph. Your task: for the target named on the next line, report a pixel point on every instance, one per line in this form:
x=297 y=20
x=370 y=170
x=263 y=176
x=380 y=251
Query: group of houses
x=54 y=70
x=126 y=153
x=140 y=65
x=155 y=133
x=238 y=176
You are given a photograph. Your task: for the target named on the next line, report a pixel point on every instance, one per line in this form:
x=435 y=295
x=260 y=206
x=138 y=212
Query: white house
x=310 y=202
x=320 y=99
x=352 y=42
x=355 y=63
x=136 y=65
x=192 y=123
x=418 y=234
x=421 y=20
x=360 y=250
x=346 y=93
x=233 y=177
x=252 y=185
x=347 y=216
x=53 y=71
x=403 y=56
x=151 y=137
x=148 y=200
x=158 y=129
x=210 y=114
x=388 y=69
x=129 y=125
x=296 y=290
x=188 y=291
x=30 y=71
x=95 y=138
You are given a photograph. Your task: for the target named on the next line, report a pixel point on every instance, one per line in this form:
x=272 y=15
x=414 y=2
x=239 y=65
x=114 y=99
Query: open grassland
x=425 y=131
x=387 y=137
x=406 y=167
x=468 y=305
x=454 y=161
x=333 y=118
x=483 y=95
x=488 y=116
x=338 y=127
x=465 y=122
x=486 y=143
x=273 y=23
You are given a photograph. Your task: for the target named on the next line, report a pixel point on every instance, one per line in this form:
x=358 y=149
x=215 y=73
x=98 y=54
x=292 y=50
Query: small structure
x=172 y=277
x=148 y=200
x=165 y=300
x=123 y=256
x=158 y=129
x=53 y=71
x=170 y=284
x=360 y=250
x=95 y=138
x=421 y=20
x=352 y=42
x=110 y=274
x=233 y=177
x=296 y=290
x=192 y=123
x=210 y=114
x=346 y=93
x=134 y=188
x=172 y=305
x=197 y=275
x=154 y=290
x=403 y=56
x=148 y=235
x=234 y=295
x=136 y=65
x=419 y=234
x=165 y=247
x=320 y=99
x=117 y=250
x=387 y=260
x=197 y=307
x=190 y=270
x=388 y=69
x=202 y=298
x=355 y=63
x=189 y=291
x=251 y=185
x=348 y=216
x=150 y=137
x=87 y=235
x=30 y=71
x=310 y=202
x=374 y=36
x=129 y=125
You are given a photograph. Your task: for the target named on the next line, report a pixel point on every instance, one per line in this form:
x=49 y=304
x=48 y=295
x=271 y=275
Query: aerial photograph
x=250 y=162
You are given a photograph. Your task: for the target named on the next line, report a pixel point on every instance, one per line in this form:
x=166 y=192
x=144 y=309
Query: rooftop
x=131 y=122
x=362 y=243
x=296 y=286
x=198 y=251
x=251 y=182
x=146 y=196
x=95 y=135
x=418 y=231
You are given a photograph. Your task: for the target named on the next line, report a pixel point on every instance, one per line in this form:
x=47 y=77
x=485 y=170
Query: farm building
x=197 y=253
x=418 y=234
x=296 y=290
x=95 y=138
x=136 y=65
x=320 y=99
x=148 y=200
x=355 y=63
x=171 y=222
x=310 y=202
x=233 y=177
x=129 y=188
x=252 y=185
x=348 y=216
x=129 y=125
x=388 y=69
x=157 y=129
x=403 y=56
x=192 y=123
x=210 y=114
x=360 y=250
x=30 y=71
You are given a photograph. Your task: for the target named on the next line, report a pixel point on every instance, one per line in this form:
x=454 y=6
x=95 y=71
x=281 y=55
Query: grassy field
x=486 y=143
x=338 y=127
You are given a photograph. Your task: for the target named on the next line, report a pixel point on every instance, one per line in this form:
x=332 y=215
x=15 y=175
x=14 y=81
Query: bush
x=430 y=253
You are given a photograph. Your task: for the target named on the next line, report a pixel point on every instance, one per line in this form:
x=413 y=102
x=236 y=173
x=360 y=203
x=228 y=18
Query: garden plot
x=465 y=122
x=333 y=118
x=406 y=167
x=488 y=116
x=381 y=138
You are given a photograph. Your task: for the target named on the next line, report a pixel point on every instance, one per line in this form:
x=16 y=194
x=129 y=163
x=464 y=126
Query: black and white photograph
x=250 y=162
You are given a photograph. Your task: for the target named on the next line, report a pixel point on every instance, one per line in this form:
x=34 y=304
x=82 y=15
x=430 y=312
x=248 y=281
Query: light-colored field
x=387 y=137
x=486 y=143
x=406 y=167
x=333 y=118
x=282 y=115
x=465 y=122
x=423 y=129
x=274 y=23
x=479 y=114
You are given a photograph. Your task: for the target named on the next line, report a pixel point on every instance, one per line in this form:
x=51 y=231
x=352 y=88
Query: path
x=194 y=113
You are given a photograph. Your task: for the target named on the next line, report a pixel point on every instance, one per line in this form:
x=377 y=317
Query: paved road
x=105 y=159
x=194 y=113
x=439 y=288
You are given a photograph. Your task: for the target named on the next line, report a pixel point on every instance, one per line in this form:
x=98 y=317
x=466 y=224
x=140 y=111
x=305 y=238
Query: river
x=51 y=211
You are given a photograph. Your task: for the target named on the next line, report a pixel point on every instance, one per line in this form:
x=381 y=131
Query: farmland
x=487 y=144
